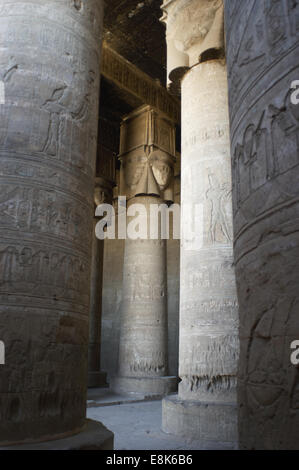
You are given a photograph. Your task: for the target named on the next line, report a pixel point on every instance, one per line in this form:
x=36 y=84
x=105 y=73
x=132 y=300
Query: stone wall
x=262 y=52
x=173 y=283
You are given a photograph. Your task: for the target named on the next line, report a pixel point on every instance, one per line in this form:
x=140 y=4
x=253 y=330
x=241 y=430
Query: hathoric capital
x=103 y=191
x=195 y=32
x=147 y=154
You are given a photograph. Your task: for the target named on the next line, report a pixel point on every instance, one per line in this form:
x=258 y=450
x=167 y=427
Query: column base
x=94 y=436
x=97 y=379
x=150 y=386
x=200 y=420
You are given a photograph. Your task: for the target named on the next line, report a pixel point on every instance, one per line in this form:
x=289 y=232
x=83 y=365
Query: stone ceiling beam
x=135 y=83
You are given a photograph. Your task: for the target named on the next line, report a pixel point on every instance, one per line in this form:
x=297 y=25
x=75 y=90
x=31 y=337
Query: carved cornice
x=195 y=33
x=129 y=78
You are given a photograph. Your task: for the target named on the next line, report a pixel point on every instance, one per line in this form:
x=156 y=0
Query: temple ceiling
x=132 y=28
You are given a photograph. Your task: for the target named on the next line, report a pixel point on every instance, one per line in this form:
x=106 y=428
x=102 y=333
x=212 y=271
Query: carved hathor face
x=162 y=169
x=99 y=196
x=133 y=166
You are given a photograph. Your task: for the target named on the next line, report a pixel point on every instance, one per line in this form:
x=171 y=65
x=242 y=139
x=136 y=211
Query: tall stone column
x=264 y=114
x=50 y=65
x=147 y=152
x=96 y=377
x=108 y=146
x=205 y=407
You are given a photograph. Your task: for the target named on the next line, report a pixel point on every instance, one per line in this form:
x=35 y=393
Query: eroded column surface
x=147 y=156
x=205 y=407
x=50 y=66
x=264 y=113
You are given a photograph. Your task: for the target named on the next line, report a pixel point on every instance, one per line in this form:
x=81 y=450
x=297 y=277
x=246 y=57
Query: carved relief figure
x=219 y=197
x=285 y=137
x=7 y=257
x=59 y=107
x=133 y=166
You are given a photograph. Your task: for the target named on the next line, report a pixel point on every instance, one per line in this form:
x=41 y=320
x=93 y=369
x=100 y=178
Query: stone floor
x=137 y=424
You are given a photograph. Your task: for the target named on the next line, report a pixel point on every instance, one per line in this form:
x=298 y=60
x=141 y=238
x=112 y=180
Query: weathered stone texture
x=50 y=64
x=173 y=283
x=208 y=304
x=262 y=50
x=143 y=340
x=111 y=301
x=112 y=298
x=208 y=344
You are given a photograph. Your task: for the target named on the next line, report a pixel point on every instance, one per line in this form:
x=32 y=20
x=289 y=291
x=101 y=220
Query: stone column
x=147 y=152
x=96 y=377
x=264 y=113
x=205 y=407
x=50 y=65
x=173 y=280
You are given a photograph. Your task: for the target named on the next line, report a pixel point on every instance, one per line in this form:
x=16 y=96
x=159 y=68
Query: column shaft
x=205 y=407
x=102 y=195
x=208 y=306
x=147 y=146
x=264 y=112
x=143 y=347
x=208 y=303
x=50 y=64
x=143 y=341
x=96 y=378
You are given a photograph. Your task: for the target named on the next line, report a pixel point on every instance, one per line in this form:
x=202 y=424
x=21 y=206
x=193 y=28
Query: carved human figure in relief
x=7 y=259
x=285 y=132
x=67 y=101
x=219 y=197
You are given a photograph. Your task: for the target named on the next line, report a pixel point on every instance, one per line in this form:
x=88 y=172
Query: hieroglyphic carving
x=39 y=210
x=48 y=139
x=211 y=276
x=269 y=147
x=253 y=47
x=209 y=345
x=42 y=272
x=264 y=139
x=141 y=286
